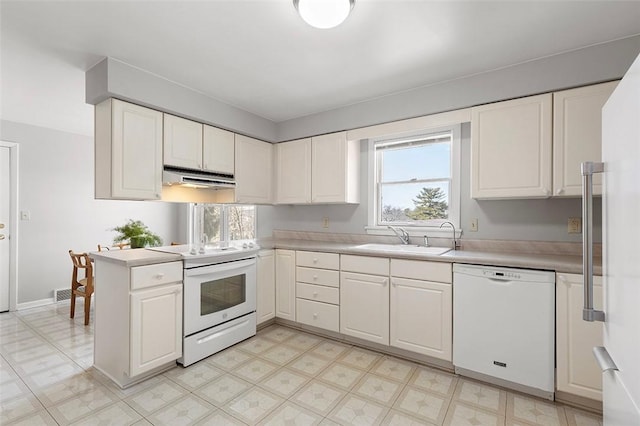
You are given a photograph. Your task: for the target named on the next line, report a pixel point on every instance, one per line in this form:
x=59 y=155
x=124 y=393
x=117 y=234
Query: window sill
x=415 y=231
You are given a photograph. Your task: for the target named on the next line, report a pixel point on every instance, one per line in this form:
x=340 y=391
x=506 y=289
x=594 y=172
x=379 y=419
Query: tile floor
x=280 y=377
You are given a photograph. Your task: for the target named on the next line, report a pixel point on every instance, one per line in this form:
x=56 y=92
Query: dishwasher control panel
x=500 y=274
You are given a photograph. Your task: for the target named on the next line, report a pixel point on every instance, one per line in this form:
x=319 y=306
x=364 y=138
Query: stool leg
x=87 y=307
x=73 y=304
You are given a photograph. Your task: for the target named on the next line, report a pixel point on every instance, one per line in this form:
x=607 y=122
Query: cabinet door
x=286 y=284
x=577 y=135
x=131 y=137
x=266 y=306
x=218 y=150
x=334 y=169
x=254 y=171
x=577 y=370
x=364 y=306
x=182 y=142
x=156 y=327
x=293 y=172
x=421 y=317
x=511 y=148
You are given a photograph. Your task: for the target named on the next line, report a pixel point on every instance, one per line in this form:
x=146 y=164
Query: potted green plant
x=137 y=234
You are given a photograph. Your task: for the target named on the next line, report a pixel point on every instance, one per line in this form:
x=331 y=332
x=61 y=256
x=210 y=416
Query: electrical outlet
x=325 y=222
x=474 y=225
x=574 y=225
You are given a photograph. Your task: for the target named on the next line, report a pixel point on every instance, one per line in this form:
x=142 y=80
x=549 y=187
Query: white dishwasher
x=504 y=327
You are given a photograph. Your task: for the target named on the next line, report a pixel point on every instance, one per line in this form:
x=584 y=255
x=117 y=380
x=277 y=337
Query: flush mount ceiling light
x=324 y=14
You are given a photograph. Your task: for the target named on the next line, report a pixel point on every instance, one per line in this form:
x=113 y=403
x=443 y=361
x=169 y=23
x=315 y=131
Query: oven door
x=218 y=293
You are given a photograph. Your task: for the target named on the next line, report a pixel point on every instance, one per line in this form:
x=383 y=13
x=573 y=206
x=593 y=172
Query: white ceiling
x=261 y=57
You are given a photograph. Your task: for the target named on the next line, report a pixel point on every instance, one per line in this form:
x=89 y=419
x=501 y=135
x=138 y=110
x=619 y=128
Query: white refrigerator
x=620 y=356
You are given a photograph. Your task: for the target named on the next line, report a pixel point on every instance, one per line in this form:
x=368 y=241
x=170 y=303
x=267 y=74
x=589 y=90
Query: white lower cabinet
x=156 y=332
x=138 y=319
x=266 y=286
x=285 y=265
x=577 y=372
x=317 y=289
x=364 y=298
x=421 y=317
x=421 y=311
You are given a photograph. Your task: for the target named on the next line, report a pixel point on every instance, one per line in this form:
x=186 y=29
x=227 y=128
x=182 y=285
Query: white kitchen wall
x=56 y=186
x=538 y=220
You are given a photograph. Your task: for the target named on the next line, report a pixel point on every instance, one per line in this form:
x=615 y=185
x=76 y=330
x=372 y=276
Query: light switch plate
x=574 y=225
x=474 y=225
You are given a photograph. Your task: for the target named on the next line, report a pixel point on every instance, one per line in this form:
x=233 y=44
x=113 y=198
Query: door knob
x=1 y=225
x=1 y=236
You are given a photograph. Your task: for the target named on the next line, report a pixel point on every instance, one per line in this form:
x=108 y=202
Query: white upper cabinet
x=253 y=170
x=577 y=135
x=182 y=142
x=293 y=172
x=322 y=169
x=128 y=151
x=218 y=150
x=335 y=169
x=511 y=148
x=197 y=146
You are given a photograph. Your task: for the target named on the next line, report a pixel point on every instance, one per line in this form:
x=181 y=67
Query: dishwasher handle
x=588 y=168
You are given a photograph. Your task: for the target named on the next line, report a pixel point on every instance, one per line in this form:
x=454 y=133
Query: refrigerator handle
x=604 y=359
x=588 y=169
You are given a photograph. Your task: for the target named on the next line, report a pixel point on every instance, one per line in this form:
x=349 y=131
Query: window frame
x=224 y=222
x=373 y=185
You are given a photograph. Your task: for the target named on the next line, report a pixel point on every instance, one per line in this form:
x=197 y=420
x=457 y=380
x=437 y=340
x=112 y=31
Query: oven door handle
x=221 y=267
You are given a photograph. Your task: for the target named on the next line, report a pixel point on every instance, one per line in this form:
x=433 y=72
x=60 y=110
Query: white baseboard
x=34 y=304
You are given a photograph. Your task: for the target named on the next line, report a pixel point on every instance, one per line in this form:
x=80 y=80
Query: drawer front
x=318 y=276
x=315 y=259
x=365 y=264
x=317 y=314
x=422 y=270
x=318 y=293
x=153 y=275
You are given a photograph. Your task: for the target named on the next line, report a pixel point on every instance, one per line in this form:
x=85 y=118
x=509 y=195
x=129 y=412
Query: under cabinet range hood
x=197 y=179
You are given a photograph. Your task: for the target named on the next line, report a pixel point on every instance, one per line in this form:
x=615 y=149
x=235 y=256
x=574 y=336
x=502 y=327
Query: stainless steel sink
x=403 y=248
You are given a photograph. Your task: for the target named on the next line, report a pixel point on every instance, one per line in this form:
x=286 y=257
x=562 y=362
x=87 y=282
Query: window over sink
x=415 y=180
x=214 y=223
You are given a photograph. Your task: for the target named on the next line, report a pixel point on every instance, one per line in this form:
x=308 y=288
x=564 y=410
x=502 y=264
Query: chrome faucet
x=456 y=243
x=403 y=235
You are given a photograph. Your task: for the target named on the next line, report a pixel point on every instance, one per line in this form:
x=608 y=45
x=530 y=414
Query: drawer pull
x=315 y=277
x=315 y=316
x=159 y=275
x=315 y=260
x=315 y=294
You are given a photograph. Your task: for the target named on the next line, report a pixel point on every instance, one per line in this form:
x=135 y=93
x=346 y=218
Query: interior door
x=5 y=209
x=621 y=257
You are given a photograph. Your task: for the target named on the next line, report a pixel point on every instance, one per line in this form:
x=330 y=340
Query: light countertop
x=135 y=257
x=553 y=262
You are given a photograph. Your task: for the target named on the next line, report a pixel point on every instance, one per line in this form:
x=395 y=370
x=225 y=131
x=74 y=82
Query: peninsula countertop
x=135 y=257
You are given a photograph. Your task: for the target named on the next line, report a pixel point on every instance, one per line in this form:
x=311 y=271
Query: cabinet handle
x=588 y=169
x=315 y=294
x=159 y=275
x=315 y=260
x=559 y=191
x=315 y=316
x=546 y=191
x=315 y=277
